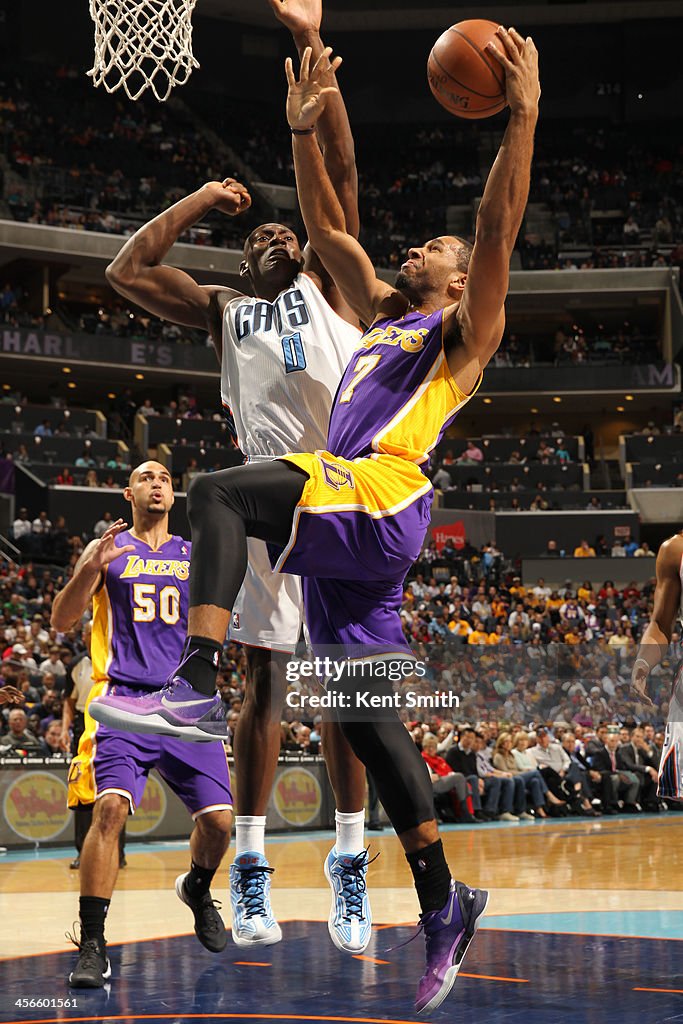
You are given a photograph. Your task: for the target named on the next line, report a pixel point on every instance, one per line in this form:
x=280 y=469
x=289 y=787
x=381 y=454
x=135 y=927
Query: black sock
x=432 y=876
x=92 y=912
x=199 y=879
x=203 y=658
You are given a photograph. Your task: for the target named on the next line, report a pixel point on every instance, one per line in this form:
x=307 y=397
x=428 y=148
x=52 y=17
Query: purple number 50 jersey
x=140 y=613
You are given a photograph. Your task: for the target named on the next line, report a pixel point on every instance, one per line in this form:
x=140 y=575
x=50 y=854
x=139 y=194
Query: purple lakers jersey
x=397 y=394
x=140 y=613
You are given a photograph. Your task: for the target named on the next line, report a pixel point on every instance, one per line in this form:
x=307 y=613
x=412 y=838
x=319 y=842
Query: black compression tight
x=380 y=740
x=224 y=508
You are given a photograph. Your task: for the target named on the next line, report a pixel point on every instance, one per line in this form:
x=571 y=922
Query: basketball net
x=142 y=44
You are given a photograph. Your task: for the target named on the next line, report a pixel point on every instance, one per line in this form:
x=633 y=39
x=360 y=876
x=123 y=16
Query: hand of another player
x=229 y=196
x=10 y=695
x=519 y=59
x=298 y=15
x=639 y=678
x=105 y=551
x=307 y=98
x=65 y=741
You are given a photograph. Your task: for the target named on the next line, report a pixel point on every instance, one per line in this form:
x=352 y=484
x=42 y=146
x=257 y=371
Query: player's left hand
x=307 y=98
x=298 y=15
x=10 y=695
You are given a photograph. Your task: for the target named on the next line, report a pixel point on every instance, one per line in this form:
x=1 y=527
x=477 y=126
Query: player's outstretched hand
x=519 y=59
x=298 y=15
x=639 y=677
x=307 y=98
x=10 y=695
x=229 y=196
x=105 y=550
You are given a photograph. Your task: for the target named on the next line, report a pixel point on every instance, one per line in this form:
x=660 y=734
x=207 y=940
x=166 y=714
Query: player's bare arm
x=667 y=602
x=72 y=601
x=480 y=313
x=303 y=18
x=68 y=715
x=342 y=255
x=138 y=273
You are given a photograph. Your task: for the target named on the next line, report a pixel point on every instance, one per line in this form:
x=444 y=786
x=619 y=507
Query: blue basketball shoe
x=448 y=933
x=350 y=920
x=177 y=709
x=253 y=922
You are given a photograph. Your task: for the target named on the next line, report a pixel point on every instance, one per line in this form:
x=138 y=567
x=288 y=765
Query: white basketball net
x=142 y=44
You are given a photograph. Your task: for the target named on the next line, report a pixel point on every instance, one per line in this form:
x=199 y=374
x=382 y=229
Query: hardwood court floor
x=584 y=925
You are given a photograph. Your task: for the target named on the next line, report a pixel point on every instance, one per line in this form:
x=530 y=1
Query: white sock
x=250 y=834
x=350 y=831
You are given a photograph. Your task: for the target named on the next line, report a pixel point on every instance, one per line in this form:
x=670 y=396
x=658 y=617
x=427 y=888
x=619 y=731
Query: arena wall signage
x=22 y=343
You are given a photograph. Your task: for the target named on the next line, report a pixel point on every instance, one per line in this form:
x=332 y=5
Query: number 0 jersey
x=281 y=364
x=140 y=613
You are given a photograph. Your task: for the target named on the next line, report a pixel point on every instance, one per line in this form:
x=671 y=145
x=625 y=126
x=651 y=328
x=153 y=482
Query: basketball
x=464 y=79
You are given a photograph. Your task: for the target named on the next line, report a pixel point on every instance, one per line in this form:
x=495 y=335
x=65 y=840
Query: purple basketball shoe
x=448 y=933
x=177 y=709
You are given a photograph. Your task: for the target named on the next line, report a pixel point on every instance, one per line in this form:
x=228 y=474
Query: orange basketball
x=464 y=78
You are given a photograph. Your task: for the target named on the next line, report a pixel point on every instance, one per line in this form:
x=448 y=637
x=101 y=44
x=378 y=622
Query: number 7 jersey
x=140 y=613
x=281 y=364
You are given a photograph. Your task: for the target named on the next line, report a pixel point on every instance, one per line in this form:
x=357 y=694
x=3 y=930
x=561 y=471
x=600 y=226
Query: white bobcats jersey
x=282 y=363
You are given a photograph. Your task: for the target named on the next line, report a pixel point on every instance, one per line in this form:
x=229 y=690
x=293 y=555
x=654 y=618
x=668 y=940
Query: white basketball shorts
x=269 y=609
x=671 y=765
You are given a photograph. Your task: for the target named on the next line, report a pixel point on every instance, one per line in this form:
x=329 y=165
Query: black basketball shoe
x=92 y=968
x=208 y=923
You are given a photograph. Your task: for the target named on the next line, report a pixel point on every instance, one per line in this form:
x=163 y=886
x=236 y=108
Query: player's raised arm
x=137 y=271
x=303 y=18
x=656 y=638
x=481 y=312
x=342 y=255
x=72 y=601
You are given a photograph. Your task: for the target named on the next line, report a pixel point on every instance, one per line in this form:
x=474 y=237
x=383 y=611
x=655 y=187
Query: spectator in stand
x=51 y=742
x=552 y=550
x=615 y=784
x=118 y=462
x=461 y=757
x=41 y=526
x=147 y=409
x=643 y=551
x=512 y=792
x=554 y=764
x=19 y=738
x=21 y=527
x=64 y=479
x=472 y=455
x=54 y=664
x=91 y=479
x=631 y=231
x=445 y=781
x=85 y=460
x=102 y=524
x=43 y=429
x=442 y=479
x=584 y=550
x=534 y=784
x=636 y=757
